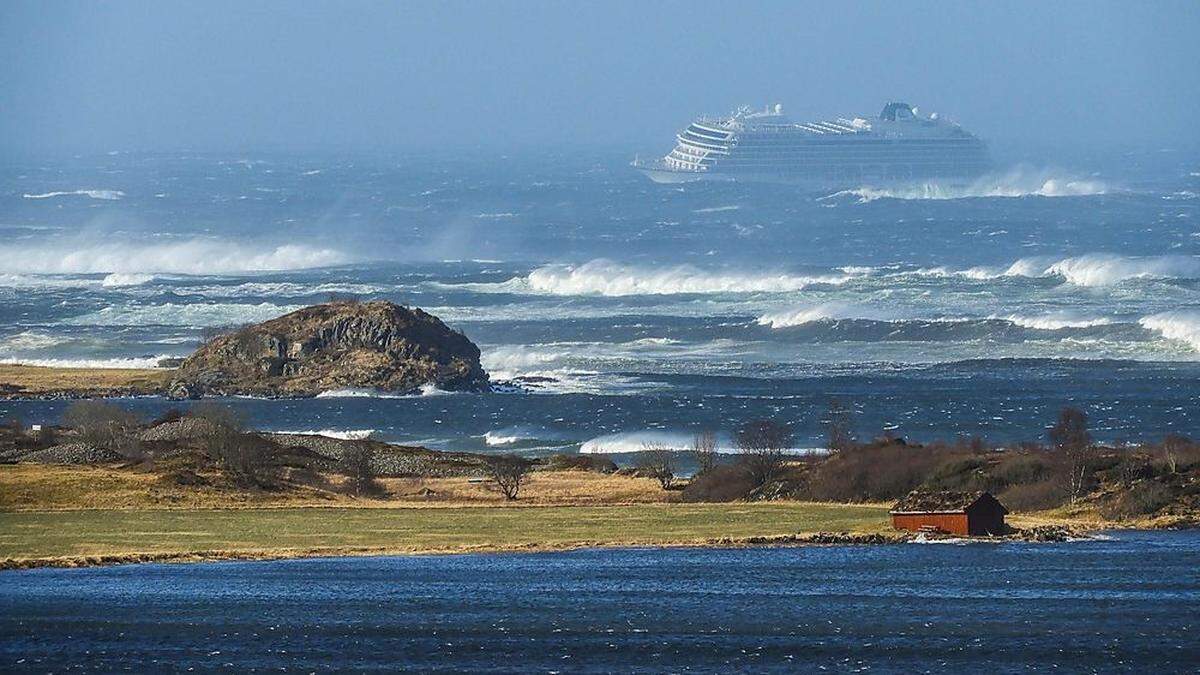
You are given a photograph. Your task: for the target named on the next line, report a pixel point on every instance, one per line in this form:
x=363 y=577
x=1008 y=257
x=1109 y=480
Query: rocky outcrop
x=373 y=345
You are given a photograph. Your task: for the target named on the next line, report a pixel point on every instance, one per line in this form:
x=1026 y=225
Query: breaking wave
x=1019 y=182
x=340 y=434
x=824 y=312
x=194 y=256
x=106 y=195
x=130 y=362
x=1092 y=269
x=1182 y=325
x=608 y=278
x=118 y=279
x=1054 y=321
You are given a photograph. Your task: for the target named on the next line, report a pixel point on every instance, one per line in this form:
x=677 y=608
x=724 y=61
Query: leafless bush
x=704 y=451
x=1176 y=450
x=105 y=425
x=1071 y=438
x=657 y=462
x=246 y=458
x=508 y=473
x=839 y=426
x=357 y=465
x=762 y=444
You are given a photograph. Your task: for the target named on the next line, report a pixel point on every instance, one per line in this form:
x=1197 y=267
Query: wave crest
x=1181 y=325
x=194 y=256
x=1020 y=182
x=608 y=278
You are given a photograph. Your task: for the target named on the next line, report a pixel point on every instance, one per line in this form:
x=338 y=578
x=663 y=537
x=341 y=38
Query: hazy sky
x=246 y=75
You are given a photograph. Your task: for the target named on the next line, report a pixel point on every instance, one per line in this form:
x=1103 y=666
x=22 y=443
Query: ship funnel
x=778 y=108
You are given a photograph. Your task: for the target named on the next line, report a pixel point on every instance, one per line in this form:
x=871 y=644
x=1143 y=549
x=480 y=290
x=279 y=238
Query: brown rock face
x=378 y=345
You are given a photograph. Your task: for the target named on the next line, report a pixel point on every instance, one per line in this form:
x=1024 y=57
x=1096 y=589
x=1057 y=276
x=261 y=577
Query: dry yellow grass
x=40 y=487
x=42 y=381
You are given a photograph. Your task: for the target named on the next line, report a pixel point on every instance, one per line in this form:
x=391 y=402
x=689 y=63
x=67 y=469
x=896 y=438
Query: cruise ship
x=900 y=146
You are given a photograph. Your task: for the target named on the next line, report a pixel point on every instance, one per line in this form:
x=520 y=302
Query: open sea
x=1128 y=603
x=637 y=312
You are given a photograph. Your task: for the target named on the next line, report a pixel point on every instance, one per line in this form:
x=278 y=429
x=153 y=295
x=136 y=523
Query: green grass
x=266 y=531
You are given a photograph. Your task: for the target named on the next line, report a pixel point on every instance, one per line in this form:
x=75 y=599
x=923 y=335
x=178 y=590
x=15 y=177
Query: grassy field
x=40 y=381
x=306 y=531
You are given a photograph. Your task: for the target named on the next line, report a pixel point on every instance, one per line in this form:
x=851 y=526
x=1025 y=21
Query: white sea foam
x=118 y=279
x=1182 y=325
x=717 y=209
x=172 y=314
x=193 y=256
x=1091 y=269
x=341 y=434
x=106 y=195
x=358 y=392
x=129 y=362
x=608 y=278
x=30 y=341
x=1020 y=182
x=278 y=289
x=679 y=441
x=1054 y=321
x=825 y=312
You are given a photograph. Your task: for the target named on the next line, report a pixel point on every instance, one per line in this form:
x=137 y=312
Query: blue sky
x=366 y=75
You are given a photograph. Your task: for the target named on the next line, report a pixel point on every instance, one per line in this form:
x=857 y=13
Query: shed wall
x=954 y=523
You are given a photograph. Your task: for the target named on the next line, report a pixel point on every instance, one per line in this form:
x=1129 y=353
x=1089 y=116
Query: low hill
x=377 y=345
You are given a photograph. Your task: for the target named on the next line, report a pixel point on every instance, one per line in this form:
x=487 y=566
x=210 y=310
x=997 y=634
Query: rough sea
x=637 y=311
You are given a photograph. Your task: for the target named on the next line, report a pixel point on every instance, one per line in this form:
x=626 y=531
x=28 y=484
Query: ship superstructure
x=899 y=146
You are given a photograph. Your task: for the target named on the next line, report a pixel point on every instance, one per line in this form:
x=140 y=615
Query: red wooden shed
x=967 y=513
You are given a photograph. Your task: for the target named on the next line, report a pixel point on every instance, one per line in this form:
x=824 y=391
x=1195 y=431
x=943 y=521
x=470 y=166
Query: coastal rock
x=370 y=345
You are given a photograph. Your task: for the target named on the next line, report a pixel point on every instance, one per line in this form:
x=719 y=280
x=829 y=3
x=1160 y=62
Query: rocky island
x=375 y=345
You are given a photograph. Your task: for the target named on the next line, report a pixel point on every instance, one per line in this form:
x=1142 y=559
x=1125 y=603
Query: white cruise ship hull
x=900 y=148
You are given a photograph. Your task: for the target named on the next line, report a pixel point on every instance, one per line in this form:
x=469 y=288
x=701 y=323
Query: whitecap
x=608 y=278
x=138 y=362
x=340 y=434
x=192 y=256
x=105 y=195
x=1019 y=182
x=193 y=315
x=1181 y=325
x=118 y=279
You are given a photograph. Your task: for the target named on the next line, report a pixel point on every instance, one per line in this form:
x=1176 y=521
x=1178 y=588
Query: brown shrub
x=1145 y=498
x=565 y=462
x=1044 y=494
x=722 y=483
x=877 y=472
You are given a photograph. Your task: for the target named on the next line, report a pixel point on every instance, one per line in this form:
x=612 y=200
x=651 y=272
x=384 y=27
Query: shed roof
x=924 y=501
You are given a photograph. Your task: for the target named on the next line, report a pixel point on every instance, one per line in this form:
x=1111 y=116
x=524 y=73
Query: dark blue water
x=1129 y=604
x=649 y=311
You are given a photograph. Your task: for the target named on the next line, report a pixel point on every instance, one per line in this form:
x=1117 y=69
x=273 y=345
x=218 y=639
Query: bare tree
x=508 y=473
x=762 y=444
x=1070 y=436
x=246 y=458
x=840 y=427
x=357 y=464
x=1173 y=446
x=657 y=462
x=105 y=425
x=704 y=451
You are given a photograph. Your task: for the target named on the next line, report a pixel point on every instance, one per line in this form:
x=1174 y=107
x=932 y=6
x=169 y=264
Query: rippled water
x=646 y=309
x=1127 y=604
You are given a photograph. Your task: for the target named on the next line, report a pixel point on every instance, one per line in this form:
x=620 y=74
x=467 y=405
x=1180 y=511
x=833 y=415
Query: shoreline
x=250 y=555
